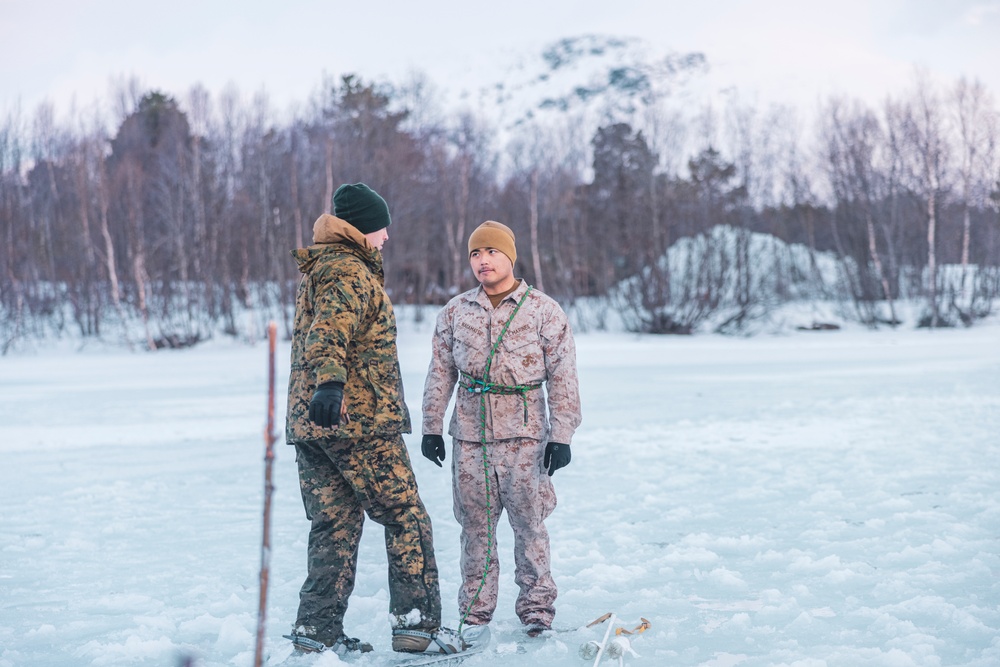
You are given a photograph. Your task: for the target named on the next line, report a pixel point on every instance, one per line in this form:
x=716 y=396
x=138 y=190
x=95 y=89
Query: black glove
x=557 y=455
x=432 y=447
x=324 y=408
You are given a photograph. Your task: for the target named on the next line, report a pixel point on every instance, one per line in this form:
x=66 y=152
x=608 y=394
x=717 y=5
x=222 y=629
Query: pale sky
x=794 y=52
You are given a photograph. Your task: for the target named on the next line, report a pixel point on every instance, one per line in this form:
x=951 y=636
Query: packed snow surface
x=811 y=499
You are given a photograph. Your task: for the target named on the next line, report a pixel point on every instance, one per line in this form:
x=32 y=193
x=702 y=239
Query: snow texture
x=808 y=499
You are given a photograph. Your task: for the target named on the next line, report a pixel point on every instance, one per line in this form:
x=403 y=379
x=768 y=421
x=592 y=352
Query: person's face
x=492 y=268
x=378 y=238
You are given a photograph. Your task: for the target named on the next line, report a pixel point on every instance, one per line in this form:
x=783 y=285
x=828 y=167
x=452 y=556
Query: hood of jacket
x=331 y=233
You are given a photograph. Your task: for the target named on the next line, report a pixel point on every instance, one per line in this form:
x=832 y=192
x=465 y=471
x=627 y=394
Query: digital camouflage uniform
x=537 y=348
x=345 y=331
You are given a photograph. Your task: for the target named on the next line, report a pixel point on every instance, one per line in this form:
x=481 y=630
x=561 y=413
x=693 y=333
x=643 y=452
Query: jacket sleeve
x=339 y=302
x=562 y=381
x=442 y=375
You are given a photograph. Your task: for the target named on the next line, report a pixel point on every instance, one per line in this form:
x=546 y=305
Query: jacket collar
x=332 y=234
x=331 y=229
x=480 y=296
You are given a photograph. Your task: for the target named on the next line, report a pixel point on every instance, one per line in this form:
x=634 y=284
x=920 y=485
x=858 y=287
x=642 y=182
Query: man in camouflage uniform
x=500 y=343
x=346 y=417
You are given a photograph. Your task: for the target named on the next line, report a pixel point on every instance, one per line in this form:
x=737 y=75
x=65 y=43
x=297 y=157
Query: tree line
x=179 y=214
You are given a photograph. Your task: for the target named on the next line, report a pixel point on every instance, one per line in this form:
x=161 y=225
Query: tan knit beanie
x=492 y=234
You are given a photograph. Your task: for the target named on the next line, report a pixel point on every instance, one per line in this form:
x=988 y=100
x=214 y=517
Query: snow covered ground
x=821 y=498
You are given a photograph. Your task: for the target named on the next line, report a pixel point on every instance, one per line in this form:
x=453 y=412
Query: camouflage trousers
x=520 y=485
x=340 y=482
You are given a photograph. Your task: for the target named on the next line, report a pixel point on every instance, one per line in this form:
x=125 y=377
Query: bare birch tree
x=927 y=139
x=854 y=143
x=972 y=108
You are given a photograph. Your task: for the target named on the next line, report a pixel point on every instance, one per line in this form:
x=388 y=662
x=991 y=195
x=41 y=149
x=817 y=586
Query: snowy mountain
x=588 y=77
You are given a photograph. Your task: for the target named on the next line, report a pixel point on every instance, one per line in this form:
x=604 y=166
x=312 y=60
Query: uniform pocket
x=374 y=378
x=385 y=473
x=469 y=349
x=525 y=358
x=301 y=387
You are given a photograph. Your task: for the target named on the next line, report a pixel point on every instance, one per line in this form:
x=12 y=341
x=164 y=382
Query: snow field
x=813 y=499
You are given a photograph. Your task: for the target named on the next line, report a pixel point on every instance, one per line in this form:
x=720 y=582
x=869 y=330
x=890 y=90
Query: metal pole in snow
x=265 y=548
x=604 y=642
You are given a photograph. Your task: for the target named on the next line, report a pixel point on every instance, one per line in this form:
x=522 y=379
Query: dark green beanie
x=361 y=206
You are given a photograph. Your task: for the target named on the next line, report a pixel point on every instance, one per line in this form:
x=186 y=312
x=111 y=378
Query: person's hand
x=432 y=447
x=324 y=408
x=557 y=455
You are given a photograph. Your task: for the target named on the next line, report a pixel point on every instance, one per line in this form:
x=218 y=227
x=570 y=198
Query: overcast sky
x=789 y=51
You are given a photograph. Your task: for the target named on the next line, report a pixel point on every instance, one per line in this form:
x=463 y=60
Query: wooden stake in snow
x=265 y=549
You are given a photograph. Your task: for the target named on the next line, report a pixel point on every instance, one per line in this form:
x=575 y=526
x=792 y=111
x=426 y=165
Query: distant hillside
x=724 y=280
x=588 y=76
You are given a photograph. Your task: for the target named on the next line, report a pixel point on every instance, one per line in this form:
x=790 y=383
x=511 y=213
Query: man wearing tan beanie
x=500 y=343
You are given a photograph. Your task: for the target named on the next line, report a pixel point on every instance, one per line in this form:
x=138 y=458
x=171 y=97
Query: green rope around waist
x=475 y=385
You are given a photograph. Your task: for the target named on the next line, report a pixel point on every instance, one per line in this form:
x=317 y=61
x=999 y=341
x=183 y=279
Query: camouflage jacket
x=537 y=348
x=345 y=331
